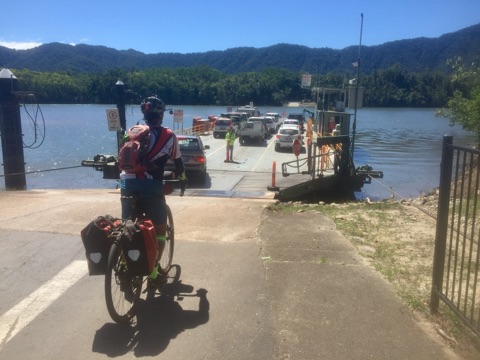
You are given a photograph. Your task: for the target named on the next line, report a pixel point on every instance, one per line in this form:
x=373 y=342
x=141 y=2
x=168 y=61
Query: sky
x=193 y=26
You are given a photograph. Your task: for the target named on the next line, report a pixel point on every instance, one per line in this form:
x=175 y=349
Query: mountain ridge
x=418 y=54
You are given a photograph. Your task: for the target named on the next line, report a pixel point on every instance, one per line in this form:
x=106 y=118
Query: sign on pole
x=296 y=147
x=306 y=80
x=178 y=116
x=113 y=118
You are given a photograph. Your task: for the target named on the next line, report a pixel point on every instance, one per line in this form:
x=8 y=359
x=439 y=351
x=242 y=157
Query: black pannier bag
x=95 y=238
x=140 y=248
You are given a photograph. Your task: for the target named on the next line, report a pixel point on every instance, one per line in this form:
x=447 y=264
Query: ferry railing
x=455 y=275
x=200 y=129
x=329 y=156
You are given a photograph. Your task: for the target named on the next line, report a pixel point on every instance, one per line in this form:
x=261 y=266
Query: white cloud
x=19 y=45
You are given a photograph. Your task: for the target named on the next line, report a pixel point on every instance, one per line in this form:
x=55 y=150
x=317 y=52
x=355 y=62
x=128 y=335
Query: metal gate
x=455 y=278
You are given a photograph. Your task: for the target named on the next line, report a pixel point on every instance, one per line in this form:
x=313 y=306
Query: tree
x=463 y=108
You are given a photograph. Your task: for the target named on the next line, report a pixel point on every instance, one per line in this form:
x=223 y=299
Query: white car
x=275 y=116
x=286 y=136
x=294 y=122
x=271 y=124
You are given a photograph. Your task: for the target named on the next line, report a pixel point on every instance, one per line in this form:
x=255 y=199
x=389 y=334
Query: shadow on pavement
x=160 y=318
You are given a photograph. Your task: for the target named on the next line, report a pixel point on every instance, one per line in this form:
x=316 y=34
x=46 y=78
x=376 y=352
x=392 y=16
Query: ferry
x=250 y=110
x=331 y=173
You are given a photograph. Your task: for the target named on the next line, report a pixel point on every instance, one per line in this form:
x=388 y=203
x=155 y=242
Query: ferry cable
x=404 y=198
x=38 y=131
x=41 y=171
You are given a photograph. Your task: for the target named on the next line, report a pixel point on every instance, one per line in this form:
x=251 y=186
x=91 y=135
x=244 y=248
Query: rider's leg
x=155 y=208
x=161 y=231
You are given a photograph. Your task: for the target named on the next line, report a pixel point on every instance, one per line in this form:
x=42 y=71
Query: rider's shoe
x=157 y=282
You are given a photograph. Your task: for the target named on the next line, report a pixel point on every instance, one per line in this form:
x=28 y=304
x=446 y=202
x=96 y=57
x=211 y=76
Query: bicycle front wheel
x=122 y=290
x=167 y=255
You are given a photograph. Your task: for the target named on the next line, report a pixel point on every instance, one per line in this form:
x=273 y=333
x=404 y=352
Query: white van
x=221 y=127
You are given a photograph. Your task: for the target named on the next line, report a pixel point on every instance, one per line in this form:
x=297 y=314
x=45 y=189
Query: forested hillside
x=418 y=55
x=406 y=73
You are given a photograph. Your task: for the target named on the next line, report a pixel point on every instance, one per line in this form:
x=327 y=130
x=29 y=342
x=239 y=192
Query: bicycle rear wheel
x=122 y=290
x=167 y=255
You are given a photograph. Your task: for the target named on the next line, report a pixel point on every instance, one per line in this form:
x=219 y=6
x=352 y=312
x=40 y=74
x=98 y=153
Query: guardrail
x=201 y=129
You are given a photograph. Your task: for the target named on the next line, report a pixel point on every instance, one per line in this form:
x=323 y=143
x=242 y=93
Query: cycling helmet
x=152 y=108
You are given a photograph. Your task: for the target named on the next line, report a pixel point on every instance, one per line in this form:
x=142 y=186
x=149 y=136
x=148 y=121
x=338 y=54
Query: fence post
x=442 y=222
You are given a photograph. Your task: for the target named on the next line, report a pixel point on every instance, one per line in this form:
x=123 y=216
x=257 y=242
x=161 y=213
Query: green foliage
x=464 y=106
x=394 y=87
x=405 y=73
x=202 y=85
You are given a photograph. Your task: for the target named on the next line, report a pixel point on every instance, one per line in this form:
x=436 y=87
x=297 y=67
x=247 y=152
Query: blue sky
x=189 y=26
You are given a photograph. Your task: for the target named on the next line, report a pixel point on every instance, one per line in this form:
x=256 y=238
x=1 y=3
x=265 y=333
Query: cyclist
x=149 y=184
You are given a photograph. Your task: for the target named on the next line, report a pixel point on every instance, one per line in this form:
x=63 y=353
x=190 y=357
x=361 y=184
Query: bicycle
x=123 y=287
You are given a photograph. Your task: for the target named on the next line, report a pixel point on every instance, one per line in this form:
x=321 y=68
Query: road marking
x=15 y=319
x=261 y=157
x=213 y=152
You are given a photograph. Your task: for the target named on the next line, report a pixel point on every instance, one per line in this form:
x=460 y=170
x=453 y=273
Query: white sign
x=113 y=118
x=306 y=80
x=178 y=116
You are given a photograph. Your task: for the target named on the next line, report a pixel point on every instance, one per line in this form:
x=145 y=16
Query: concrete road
x=252 y=284
x=51 y=308
x=247 y=283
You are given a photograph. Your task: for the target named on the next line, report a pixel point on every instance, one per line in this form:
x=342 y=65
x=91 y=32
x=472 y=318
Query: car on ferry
x=286 y=135
x=222 y=124
x=299 y=117
x=263 y=121
x=294 y=122
x=271 y=124
x=276 y=116
x=238 y=118
x=194 y=158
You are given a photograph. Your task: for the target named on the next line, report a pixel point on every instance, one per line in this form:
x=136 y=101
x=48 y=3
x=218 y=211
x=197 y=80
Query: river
x=403 y=143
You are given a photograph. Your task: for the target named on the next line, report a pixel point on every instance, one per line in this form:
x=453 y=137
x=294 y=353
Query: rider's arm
x=179 y=167
x=177 y=159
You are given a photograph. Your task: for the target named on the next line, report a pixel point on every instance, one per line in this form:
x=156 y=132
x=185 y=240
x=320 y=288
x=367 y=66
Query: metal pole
x=11 y=133
x=442 y=222
x=121 y=111
x=354 y=128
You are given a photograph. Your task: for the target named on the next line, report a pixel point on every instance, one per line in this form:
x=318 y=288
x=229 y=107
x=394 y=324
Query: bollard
x=309 y=155
x=274 y=170
x=11 y=133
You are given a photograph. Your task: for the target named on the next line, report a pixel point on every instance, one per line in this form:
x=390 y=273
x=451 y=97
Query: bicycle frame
x=122 y=287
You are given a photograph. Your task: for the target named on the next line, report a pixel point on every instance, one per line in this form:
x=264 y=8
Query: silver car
x=193 y=155
x=285 y=137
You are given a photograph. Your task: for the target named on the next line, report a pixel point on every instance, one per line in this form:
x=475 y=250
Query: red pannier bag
x=140 y=247
x=96 y=240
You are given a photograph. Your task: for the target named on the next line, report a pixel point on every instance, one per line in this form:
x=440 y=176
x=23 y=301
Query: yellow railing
x=201 y=129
